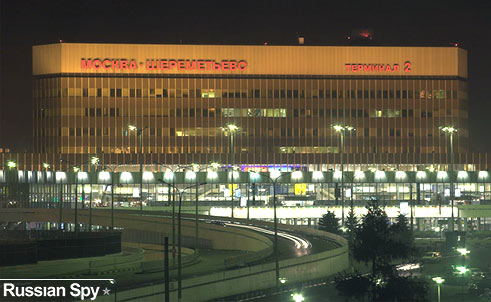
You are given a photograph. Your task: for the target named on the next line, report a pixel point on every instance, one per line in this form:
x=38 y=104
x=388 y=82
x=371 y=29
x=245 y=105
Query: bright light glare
x=462 y=269
x=338 y=128
x=132 y=128
x=438 y=280
x=400 y=174
x=317 y=175
x=11 y=164
x=94 y=160
x=275 y=174
x=190 y=175
x=408 y=267
x=232 y=127
x=463 y=251
x=215 y=165
x=448 y=129
x=298 y=297
x=299 y=242
x=297 y=175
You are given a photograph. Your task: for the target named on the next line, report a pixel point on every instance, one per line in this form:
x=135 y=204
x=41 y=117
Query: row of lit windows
x=213 y=131
x=245 y=150
x=239 y=112
x=251 y=93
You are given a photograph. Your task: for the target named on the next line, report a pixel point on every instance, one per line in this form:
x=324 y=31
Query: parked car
x=432 y=257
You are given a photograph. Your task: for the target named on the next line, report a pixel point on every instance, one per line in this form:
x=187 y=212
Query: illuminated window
x=210 y=93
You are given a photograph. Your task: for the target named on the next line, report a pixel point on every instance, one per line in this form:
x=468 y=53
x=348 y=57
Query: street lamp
x=196 y=169
x=76 y=170
x=461 y=269
x=139 y=132
x=451 y=130
x=230 y=129
x=193 y=173
x=274 y=181
x=463 y=252
x=111 y=175
x=179 y=255
x=94 y=160
x=46 y=167
x=342 y=129
x=298 y=297
x=170 y=173
x=215 y=166
x=438 y=281
x=11 y=164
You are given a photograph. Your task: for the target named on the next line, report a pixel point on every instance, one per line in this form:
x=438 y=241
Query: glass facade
x=283 y=119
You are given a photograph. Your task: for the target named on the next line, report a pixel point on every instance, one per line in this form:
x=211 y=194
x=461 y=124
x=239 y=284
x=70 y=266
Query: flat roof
x=359 y=61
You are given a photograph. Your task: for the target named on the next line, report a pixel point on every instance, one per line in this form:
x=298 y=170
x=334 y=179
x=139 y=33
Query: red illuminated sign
x=377 y=67
x=162 y=64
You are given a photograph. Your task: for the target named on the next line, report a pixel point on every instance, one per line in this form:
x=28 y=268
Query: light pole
x=139 y=132
x=196 y=169
x=94 y=160
x=46 y=167
x=171 y=174
x=230 y=129
x=76 y=170
x=463 y=252
x=451 y=130
x=193 y=170
x=274 y=181
x=342 y=129
x=11 y=165
x=179 y=254
x=111 y=174
x=439 y=282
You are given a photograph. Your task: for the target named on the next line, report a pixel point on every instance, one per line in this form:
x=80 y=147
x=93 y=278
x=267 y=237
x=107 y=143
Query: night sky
x=429 y=23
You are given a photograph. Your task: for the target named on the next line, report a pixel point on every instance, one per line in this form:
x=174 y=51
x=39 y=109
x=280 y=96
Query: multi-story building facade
x=285 y=99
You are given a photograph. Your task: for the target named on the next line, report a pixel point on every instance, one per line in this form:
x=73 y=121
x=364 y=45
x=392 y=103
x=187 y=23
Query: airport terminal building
x=284 y=99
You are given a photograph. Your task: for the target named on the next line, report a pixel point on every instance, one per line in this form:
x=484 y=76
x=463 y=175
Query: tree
x=378 y=242
x=403 y=237
x=372 y=242
x=329 y=223
x=351 y=224
x=398 y=288
x=354 y=287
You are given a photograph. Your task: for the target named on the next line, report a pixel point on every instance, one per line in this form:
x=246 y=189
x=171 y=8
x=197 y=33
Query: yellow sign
x=300 y=189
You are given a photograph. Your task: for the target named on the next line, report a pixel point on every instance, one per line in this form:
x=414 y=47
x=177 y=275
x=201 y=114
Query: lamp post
x=451 y=130
x=10 y=165
x=342 y=129
x=76 y=170
x=94 y=160
x=274 y=181
x=230 y=129
x=46 y=167
x=169 y=186
x=196 y=169
x=112 y=171
x=438 y=281
x=179 y=254
x=139 y=132
x=463 y=252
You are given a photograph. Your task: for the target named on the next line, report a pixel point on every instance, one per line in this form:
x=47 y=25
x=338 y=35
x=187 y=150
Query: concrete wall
x=220 y=284
x=232 y=282
x=216 y=237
